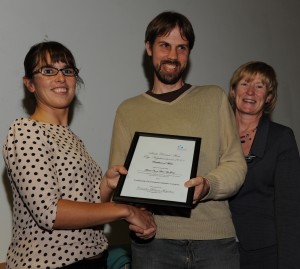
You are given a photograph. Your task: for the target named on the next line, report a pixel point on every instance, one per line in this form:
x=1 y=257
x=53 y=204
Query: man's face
x=169 y=56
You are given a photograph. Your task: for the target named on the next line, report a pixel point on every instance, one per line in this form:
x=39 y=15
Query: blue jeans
x=185 y=254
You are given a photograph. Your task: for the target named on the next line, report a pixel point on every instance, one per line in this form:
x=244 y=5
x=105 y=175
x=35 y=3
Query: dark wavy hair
x=165 y=22
x=57 y=52
x=39 y=54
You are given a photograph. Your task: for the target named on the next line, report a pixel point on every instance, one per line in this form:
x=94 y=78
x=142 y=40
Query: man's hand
x=201 y=188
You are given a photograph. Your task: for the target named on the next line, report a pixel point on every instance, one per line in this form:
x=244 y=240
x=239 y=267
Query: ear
x=148 y=48
x=29 y=84
x=232 y=92
x=269 y=97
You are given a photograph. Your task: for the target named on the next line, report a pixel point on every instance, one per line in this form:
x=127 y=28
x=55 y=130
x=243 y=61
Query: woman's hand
x=201 y=188
x=141 y=222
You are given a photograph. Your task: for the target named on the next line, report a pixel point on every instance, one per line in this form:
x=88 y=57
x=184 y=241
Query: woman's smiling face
x=251 y=94
x=54 y=92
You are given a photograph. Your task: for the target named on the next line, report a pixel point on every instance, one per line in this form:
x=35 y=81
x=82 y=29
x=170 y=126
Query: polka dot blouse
x=45 y=163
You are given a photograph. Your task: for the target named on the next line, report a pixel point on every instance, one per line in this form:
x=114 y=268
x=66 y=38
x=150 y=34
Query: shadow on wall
x=148 y=69
x=7 y=188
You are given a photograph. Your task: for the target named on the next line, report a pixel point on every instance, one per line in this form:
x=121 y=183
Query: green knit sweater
x=201 y=111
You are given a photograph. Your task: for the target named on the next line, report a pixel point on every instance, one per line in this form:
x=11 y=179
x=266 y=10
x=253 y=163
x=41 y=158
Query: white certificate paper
x=159 y=166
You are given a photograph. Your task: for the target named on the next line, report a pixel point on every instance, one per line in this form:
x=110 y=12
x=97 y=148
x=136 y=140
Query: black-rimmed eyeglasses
x=52 y=71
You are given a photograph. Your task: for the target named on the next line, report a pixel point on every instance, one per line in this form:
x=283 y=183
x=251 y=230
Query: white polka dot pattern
x=45 y=163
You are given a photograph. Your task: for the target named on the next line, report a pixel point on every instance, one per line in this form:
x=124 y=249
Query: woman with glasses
x=60 y=197
x=266 y=210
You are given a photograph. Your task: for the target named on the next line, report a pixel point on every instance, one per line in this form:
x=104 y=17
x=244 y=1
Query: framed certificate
x=158 y=165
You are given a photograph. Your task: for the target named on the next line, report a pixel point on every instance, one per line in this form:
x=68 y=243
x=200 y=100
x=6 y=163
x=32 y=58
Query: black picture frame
x=191 y=146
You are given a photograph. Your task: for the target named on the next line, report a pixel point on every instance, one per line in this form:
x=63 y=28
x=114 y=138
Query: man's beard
x=168 y=78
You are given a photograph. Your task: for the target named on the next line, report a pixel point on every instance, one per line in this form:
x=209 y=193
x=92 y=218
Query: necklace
x=247 y=136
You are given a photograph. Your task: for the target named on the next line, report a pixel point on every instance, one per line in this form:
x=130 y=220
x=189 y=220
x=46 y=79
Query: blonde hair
x=250 y=70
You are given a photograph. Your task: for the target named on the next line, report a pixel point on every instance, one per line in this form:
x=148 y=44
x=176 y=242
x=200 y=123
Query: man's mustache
x=175 y=62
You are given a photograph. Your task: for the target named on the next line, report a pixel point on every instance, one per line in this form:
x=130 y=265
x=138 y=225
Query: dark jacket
x=266 y=210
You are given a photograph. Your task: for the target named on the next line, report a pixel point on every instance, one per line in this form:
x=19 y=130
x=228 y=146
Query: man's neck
x=169 y=96
x=160 y=87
